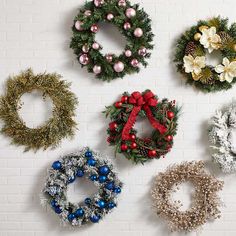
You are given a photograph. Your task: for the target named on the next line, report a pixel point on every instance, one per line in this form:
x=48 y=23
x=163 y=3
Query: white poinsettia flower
x=194 y=65
x=227 y=70
x=210 y=39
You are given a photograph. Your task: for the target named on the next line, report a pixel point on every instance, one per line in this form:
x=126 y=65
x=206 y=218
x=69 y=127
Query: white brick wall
x=37 y=34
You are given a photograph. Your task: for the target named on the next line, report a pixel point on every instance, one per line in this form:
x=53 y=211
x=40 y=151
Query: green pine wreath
x=162 y=115
x=132 y=22
x=195 y=43
x=60 y=125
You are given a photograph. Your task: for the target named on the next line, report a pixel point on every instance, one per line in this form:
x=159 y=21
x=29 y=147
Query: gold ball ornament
x=203 y=27
x=197 y=36
x=234 y=47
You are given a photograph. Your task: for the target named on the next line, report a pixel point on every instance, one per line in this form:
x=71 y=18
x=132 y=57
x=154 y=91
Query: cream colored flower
x=210 y=39
x=194 y=65
x=227 y=71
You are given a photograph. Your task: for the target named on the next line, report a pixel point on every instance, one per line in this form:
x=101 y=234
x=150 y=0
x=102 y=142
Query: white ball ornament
x=122 y=3
x=130 y=12
x=138 y=32
x=119 y=66
x=84 y=59
x=110 y=17
x=95 y=46
x=98 y=3
x=127 y=26
x=128 y=53
x=134 y=63
x=97 y=69
x=78 y=25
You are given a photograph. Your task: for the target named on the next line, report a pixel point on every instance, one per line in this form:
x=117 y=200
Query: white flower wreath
x=220 y=136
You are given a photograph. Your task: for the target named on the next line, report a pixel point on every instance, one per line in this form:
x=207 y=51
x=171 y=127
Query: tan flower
x=194 y=65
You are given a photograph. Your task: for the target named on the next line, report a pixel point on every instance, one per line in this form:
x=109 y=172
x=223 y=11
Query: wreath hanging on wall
x=61 y=125
x=89 y=164
x=162 y=115
x=131 y=21
x=205 y=201
x=220 y=136
x=194 y=44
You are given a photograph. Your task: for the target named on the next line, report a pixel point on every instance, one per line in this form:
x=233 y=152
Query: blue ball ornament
x=93 y=177
x=94 y=218
x=71 y=179
x=104 y=170
x=71 y=217
x=101 y=204
x=56 y=165
x=91 y=162
x=79 y=212
x=111 y=205
x=102 y=178
x=117 y=190
x=80 y=173
x=54 y=203
x=109 y=186
x=88 y=154
x=58 y=210
x=87 y=200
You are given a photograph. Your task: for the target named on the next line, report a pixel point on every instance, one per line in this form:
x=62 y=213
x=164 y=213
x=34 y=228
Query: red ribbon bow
x=142 y=102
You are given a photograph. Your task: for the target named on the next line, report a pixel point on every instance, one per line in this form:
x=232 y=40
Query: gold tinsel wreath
x=205 y=201
x=59 y=126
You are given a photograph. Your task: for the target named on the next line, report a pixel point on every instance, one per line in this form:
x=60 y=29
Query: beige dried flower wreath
x=205 y=201
x=59 y=126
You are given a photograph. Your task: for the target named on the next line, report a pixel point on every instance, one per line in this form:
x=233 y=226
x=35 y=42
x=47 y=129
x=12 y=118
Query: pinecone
x=190 y=48
x=207 y=77
x=143 y=152
x=225 y=38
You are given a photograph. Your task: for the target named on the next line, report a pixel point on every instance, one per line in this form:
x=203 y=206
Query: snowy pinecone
x=190 y=48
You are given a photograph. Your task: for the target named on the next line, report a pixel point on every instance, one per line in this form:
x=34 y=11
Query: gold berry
x=203 y=27
x=197 y=36
x=234 y=47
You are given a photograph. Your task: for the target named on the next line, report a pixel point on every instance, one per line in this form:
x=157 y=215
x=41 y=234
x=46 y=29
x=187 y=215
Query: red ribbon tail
x=155 y=124
x=129 y=124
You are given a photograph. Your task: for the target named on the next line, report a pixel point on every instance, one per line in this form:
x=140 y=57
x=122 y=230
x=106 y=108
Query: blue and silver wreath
x=89 y=164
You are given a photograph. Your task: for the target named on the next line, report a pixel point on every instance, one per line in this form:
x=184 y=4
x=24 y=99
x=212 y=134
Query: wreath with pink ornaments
x=205 y=38
x=133 y=23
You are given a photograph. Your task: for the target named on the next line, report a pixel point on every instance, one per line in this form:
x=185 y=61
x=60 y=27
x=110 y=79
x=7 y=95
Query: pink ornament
x=134 y=63
x=130 y=12
x=109 y=57
x=127 y=26
x=85 y=48
x=95 y=46
x=98 y=3
x=84 y=59
x=87 y=13
x=122 y=3
x=118 y=66
x=97 y=69
x=142 y=51
x=110 y=16
x=78 y=25
x=138 y=32
x=94 y=28
x=128 y=53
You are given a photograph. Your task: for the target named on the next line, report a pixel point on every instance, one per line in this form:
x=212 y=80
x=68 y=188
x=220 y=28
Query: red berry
x=170 y=115
x=133 y=145
x=113 y=126
x=169 y=138
x=124 y=99
x=152 y=153
x=118 y=104
x=123 y=147
x=110 y=139
x=133 y=137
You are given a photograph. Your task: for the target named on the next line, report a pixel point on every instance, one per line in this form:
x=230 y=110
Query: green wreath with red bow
x=162 y=115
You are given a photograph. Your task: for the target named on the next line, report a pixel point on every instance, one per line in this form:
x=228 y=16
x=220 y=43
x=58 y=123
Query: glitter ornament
x=95 y=46
x=97 y=69
x=109 y=57
x=87 y=13
x=142 y=51
x=110 y=17
x=134 y=62
x=78 y=25
x=94 y=28
x=128 y=53
x=122 y=3
x=127 y=26
x=130 y=12
x=118 y=66
x=85 y=48
x=138 y=32
x=84 y=59
x=98 y=3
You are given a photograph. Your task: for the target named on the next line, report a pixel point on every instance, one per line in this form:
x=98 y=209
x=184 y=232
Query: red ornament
x=123 y=147
x=110 y=139
x=170 y=115
x=124 y=99
x=133 y=137
x=113 y=126
x=152 y=153
x=169 y=138
x=133 y=145
x=118 y=104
